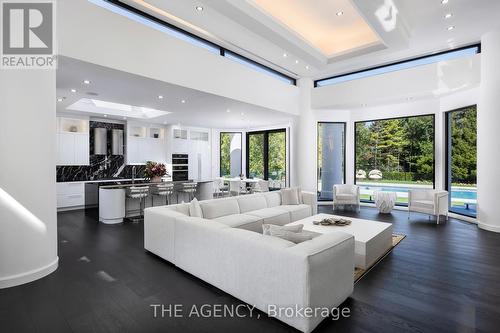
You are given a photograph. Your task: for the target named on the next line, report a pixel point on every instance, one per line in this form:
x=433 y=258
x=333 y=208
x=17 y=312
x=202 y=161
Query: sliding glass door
x=331 y=158
x=394 y=155
x=461 y=162
x=255 y=155
x=266 y=155
x=230 y=154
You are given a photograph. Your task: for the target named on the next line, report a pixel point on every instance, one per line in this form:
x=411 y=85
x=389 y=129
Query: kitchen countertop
x=120 y=186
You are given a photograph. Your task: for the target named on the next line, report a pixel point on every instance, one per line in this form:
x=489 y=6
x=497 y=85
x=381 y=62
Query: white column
x=28 y=220
x=305 y=161
x=488 y=129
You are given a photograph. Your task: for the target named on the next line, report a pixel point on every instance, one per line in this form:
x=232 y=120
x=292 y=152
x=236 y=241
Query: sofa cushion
x=273 y=199
x=343 y=196
x=242 y=221
x=423 y=204
x=180 y=208
x=272 y=215
x=219 y=207
x=289 y=196
x=249 y=203
x=297 y=212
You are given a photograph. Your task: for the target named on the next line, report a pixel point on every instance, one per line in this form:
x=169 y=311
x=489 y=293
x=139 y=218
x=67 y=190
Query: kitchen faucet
x=133 y=174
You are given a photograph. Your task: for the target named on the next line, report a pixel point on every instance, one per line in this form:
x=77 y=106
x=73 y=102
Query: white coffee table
x=372 y=239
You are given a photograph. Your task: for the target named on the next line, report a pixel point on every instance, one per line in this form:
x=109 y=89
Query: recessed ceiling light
x=105 y=116
x=307 y=66
x=183 y=101
x=285 y=55
x=452 y=27
x=73 y=90
x=199 y=8
x=86 y=81
x=296 y=61
x=160 y=96
x=444 y=2
x=60 y=99
x=340 y=13
x=228 y=110
x=449 y=15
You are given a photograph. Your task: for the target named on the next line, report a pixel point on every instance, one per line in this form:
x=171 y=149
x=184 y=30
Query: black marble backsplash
x=101 y=166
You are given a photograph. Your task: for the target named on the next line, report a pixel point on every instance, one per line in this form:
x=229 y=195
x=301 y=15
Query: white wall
x=28 y=221
x=105 y=38
x=488 y=118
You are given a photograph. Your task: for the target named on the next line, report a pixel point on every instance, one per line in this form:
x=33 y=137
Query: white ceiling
x=200 y=109
x=407 y=28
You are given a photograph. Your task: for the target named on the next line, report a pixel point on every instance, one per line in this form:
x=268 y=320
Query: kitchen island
x=114 y=205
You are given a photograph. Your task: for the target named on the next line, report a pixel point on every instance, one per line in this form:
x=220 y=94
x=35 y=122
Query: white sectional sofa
x=226 y=248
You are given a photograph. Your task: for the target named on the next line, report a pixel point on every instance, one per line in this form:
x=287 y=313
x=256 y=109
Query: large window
x=394 y=155
x=461 y=166
x=405 y=64
x=331 y=158
x=230 y=154
x=266 y=156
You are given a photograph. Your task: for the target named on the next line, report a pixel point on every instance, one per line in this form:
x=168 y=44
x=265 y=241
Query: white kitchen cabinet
x=72 y=149
x=73 y=141
x=141 y=150
x=82 y=149
x=70 y=195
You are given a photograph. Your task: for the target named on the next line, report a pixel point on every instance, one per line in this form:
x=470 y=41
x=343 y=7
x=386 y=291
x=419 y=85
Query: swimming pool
x=456 y=193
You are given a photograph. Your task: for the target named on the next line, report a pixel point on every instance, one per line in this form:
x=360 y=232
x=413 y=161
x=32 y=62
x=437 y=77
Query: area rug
x=359 y=272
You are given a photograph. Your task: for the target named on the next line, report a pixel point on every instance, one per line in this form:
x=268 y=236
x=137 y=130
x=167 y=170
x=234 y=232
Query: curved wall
x=28 y=220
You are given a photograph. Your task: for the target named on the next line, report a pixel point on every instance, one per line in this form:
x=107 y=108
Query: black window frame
x=266 y=152
x=222 y=51
x=241 y=150
x=433 y=115
x=447 y=149
x=344 y=153
x=471 y=46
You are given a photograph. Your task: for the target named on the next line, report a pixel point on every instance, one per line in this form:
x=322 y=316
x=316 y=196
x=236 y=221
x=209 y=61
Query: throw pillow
x=268 y=229
x=289 y=196
x=195 y=208
x=295 y=237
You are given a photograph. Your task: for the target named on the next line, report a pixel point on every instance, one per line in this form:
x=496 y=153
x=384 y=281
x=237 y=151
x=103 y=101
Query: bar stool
x=141 y=193
x=162 y=190
x=189 y=188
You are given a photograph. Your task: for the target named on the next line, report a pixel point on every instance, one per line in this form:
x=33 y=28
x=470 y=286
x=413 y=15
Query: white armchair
x=432 y=202
x=345 y=195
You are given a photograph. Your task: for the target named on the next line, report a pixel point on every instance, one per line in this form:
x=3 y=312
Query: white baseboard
x=488 y=227
x=18 y=279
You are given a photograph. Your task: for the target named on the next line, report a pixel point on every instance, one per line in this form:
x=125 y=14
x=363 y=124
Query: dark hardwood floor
x=441 y=278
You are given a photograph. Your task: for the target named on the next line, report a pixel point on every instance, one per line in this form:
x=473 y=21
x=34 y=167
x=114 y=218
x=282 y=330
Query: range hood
x=117 y=142
x=100 y=141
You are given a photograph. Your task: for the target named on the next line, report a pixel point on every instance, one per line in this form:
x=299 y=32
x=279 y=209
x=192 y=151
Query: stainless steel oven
x=180 y=167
